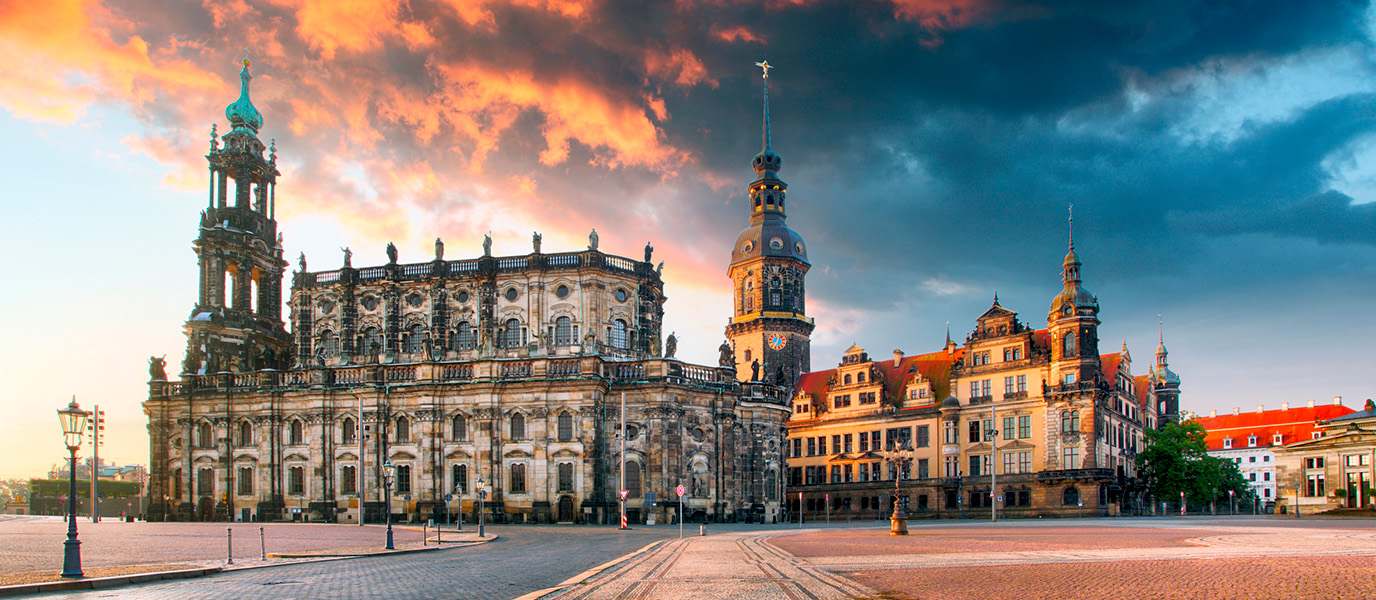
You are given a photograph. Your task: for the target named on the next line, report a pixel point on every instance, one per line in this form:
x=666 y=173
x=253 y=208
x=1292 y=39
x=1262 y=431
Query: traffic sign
x=625 y=493
x=680 y=490
x=448 y=497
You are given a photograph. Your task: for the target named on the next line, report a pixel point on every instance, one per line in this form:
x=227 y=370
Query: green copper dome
x=242 y=114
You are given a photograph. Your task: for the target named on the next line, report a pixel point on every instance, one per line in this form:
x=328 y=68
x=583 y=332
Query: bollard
x=439 y=536
x=262 y=543
x=702 y=529
x=424 y=533
x=229 y=545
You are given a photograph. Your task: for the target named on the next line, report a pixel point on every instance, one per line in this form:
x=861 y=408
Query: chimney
x=1311 y=403
x=1337 y=400
x=1260 y=409
x=1285 y=406
x=897 y=357
x=1213 y=413
x=1237 y=410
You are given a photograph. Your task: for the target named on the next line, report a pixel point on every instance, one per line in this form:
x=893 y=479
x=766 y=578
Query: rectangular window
x=848 y=442
x=1024 y=463
x=1008 y=384
x=868 y=398
x=1024 y=427
x=1357 y=460
x=864 y=471
x=245 y=481
x=811 y=446
x=1266 y=476
x=952 y=466
x=835 y=444
x=864 y=441
x=849 y=473
x=1314 y=486
x=836 y=473
x=1008 y=428
x=974 y=466
x=348 y=480
x=923 y=468
x=975 y=434
x=974 y=389
x=1070 y=458
x=898 y=437
x=987 y=387
x=1010 y=462
x=566 y=477
x=518 y=479
x=1022 y=383
x=205 y=482
x=797 y=447
x=1314 y=462
x=404 y=479
x=923 y=437
x=296 y=484
x=950 y=434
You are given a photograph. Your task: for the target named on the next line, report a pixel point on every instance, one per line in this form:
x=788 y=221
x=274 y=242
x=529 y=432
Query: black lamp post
x=387 y=489
x=73 y=423
x=898 y=523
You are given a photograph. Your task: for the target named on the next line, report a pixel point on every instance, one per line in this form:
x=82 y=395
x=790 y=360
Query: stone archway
x=565 y=509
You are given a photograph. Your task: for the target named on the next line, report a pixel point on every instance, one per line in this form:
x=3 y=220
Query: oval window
x=748 y=247
x=414 y=299
x=776 y=244
x=370 y=302
x=562 y=291
x=798 y=247
x=621 y=295
x=511 y=294
x=463 y=296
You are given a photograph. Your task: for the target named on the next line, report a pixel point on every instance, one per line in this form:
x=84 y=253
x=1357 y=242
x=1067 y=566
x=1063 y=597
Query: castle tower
x=237 y=322
x=1073 y=324
x=1166 y=384
x=768 y=267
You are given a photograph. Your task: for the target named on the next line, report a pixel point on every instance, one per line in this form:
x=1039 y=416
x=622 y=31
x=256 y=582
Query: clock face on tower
x=776 y=342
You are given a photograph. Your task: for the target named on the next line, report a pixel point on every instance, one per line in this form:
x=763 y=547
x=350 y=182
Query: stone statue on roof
x=755 y=370
x=725 y=357
x=301 y=262
x=157 y=368
x=439 y=249
x=670 y=346
x=592 y=240
x=649 y=250
x=348 y=257
x=535 y=239
x=487 y=245
x=391 y=253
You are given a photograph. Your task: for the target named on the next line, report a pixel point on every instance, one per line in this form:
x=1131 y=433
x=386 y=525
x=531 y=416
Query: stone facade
x=1340 y=455
x=416 y=386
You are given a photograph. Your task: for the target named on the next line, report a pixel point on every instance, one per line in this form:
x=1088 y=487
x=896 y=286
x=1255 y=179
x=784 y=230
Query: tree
x=1176 y=460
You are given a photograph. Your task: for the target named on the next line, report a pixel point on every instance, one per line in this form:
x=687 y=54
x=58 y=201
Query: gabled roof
x=935 y=366
x=1110 y=364
x=1293 y=424
x=1141 y=384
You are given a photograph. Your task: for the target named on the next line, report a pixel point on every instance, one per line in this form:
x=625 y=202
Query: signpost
x=680 y=509
x=624 y=494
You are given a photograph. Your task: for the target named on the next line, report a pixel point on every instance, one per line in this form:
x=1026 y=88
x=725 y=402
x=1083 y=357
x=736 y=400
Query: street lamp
x=387 y=487
x=898 y=523
x=482 y=495
x=992 y=436
x=73 y=423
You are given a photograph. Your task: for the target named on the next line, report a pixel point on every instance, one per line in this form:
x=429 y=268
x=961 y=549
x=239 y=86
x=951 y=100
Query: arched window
x=203 y=436
x=776 y=297
x=563 y=331
x=298 y=433
x=1070 y=421
x=518 y=478
x=771 y=485
x=511 y=334
x=349 y=428
x=328 y=344
x=403 y=482
x=847 y=379
x=415 y=338
x=619 y=334
x=245 y=433
x=459 y=476
x=566 y=477
x=518 y=426
x=463 y=336
x=348 y=480
x=1071 y=496
x=1069 y=343
x=860 y=377
x=565 y=426
x=372 y=342
x=633 y=479
x=403 y=429
x=459 y=428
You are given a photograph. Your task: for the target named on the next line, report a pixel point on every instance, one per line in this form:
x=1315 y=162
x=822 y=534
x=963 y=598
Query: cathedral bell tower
x=237 y=322
x=769 y=326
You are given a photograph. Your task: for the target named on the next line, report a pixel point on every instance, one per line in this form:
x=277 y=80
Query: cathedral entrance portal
x=566 y=510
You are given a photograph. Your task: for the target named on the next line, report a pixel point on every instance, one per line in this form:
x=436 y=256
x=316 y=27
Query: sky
x=1219 y=158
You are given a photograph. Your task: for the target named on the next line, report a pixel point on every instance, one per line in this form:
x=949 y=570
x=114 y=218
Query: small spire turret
x=242 y=114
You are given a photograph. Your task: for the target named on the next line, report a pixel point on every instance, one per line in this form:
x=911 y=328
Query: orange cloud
x=58 y=61
x=680 y=65
x=735 y=34
x=328 y=26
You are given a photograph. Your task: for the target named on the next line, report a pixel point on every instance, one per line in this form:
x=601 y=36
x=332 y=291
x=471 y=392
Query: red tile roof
x=1142 y=385
x=1293 y=424
x=935 y=366
x=1110 y=364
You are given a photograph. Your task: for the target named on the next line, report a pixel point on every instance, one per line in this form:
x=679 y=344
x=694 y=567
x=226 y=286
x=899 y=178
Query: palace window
x=328 y=344
x=565 y=426
x=1069 y=344
x=244 y=482
x=1070 y=458
x=511 y=334
x=1071 y=496
x=348 y=480
x=1314 y=462
x=1070 y=421
x=1022 y=383
x=975 y=433
x=464 y=337
x=1008 y=384
x=296 y=482
x=403 y=430
x=836 y=444
x=1024 y=427
x=563 y=331
x=1314 y=486
x=245 y=434
x=848 y=439
x=1008 y=432
x=566 y=477
x=619 y=334
x=518 y=426
x=403 y=479
x=458 y=478
x=867 y=398
x=923 y=437
x=349 y=431
x=811 y=447
x=923 y=468
x=458 y=428
x=415 y=337
x=952 y=464
x=297 y=434
x=950 y=435
x=204 y=439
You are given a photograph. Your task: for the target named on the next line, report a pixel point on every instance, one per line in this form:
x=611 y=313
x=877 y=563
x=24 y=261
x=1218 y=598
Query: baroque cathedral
x=419 y=387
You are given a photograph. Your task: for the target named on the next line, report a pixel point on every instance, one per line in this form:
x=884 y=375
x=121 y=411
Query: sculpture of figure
x=157 y=368
x=660 y=269
x=670 y=346
x=725 y=357
x=535 y=238
x=391 y=253
x=429 y=345
x=592 y=240
x=439 y=249
x=191 y=364
x=348 y=257
x=699 y=485
x=319 y=356
x=755 y=370
x=301 y=262
x=487 y=245
x=648 y=251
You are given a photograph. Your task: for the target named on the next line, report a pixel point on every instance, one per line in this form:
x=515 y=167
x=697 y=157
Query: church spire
x=242 y=114
x=766 y=163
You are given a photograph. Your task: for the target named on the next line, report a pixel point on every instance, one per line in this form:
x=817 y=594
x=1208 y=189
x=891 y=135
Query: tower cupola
x=242 y=114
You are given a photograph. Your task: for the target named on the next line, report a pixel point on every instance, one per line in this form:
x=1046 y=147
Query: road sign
x=448 y=497
x=625 y=493
x=680 y=491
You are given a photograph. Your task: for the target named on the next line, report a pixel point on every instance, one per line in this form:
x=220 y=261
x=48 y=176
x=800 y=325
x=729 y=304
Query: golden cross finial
x=766 y=67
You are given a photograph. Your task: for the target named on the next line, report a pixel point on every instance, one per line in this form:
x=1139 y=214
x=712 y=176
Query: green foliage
x=1175 y=460
x=14 y=490
x=52 y=488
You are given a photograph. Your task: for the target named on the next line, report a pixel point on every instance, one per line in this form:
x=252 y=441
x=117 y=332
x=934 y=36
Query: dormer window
x=860 y=377
x=1227 y=443
x=1251 y=441
x=1277 y=439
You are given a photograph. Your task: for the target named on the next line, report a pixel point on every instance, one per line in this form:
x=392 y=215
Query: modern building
x=423 y=387
x=1250 y=439
x=1332 y=469
x=1036 y=419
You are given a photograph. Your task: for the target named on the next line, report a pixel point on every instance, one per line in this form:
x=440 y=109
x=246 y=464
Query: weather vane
x=766 y=67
